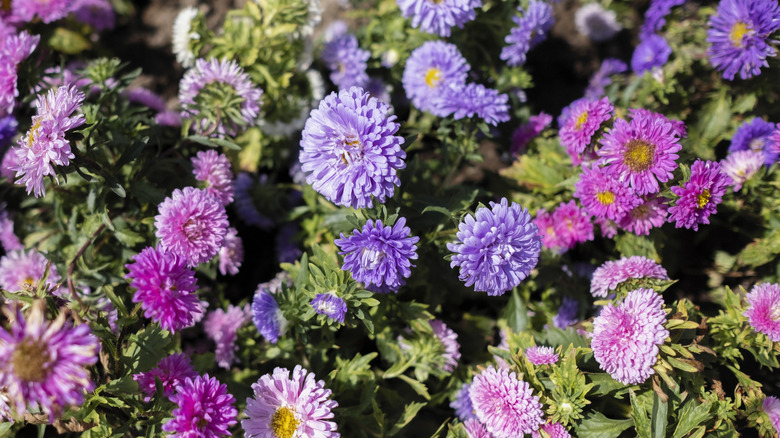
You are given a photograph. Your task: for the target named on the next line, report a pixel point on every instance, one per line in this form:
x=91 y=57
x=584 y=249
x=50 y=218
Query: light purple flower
x=346 y=61
x=23 y=270
x=472 y=100
x=541 y=355
x=771 y=406
x=763 y=309
x=330 y=305
x=97 y=13
x=585 y=119
x=603 y=77
x=626 y=337
x=290 y=406
x=608 y=276
x=266 y=315
x=213 y=168
x=475 y=429
x=438 y=17
x=449 y=339
x=171 y=371
x=553 y=430
x=245 y=204
x=596 y=23
x=231 y=255
x=740 y=166
x=655 y=16
x=571 y=225
x=603 y=196
x=171 y=119
x=8 y=239
x=46 y=11
x=700 y=196
x=505 y=404
x=755 y=135
x=430 y=70
x=528 y=131
x=146 y=98
x=530 y=30
x=205 y=409
x=652 y=52
x=221 y=327
x=462 y=403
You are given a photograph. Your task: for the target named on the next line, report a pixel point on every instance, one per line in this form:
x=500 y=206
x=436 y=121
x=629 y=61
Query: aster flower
x=700 y=196
x=213 y=168
x=432 y=69
x=586 y=118
x=655 y=16
x=567 y=313
x=43 y=362
x=771 y=406
x=603 y=77
x=678 y=127
x=231 y=255
x=608 y=276
x=449 y=339
x=496 y=248
x=740 y=166
x=287 y=249
x=165 y=287
x=206 y=409
x=97 y=13
x=8 y=241
x=48 y=11
x=170 y=119
x=541 y=355
x=651 y=213
x=7 y=131
x=505 y=404
x=530 y=30
x=739 y=36
x=763 y=310
x=379 y=255
x=45 y=143
x=191 y=224
x=221 y=326
x=641 y=152
x=553 y=430
x=267 y=316
x=245 y=205
x=330 y=305
x=603 y=196
x=23 y=270
x=346 y=61
x=171 y=371
x=475 y=429
x=222 y=84
x=755 y=135
x=287 y=406
x=572 y=225
x=470 y=100
x=652 y=52
x=546 y=225
x=596 y=23
x=608 y=227
x=349 y=151
x=462 y=403
x=145 y=97
x=626 y=337
x=438 y=17
x=528 y=131
x=183 y=35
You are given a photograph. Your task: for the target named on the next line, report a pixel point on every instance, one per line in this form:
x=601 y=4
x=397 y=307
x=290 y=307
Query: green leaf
x=660 y=416
x=603 y=384
x=629 y=244
x=639 y=415
x=691 y=415
x=596 y=425
x=516 y=313
x=418 y=387
x=146 y=348
x=67 y=41
x=410 y=411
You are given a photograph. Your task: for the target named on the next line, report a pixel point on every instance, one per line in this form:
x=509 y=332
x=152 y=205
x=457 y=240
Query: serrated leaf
x=691 y=416
x=418 y=386
x=410 y=411
x=596 y=425
x=639 y=415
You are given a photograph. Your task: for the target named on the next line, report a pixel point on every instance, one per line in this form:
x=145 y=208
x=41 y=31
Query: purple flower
x=596 y=23
x=626 y=337
x=528 y=131
x=505 y=404
x=348 y=150
x=462 y=403
x=603 y=196
x=287 y=250
x=221 y=327
x=602 y=78
x=763 y=310
x=571 y=225
x=223 y=82
x=245 y=205
x=165 y=288
x=7 y=131
x=608 y=276
x=553 y=430
x=171 y=371
x=8 y=240
x=170 y=119
x=192 y=224
x=45 y=143
x=755 y=135
x=475 y=429
x=651 y=213
x=231 y=255
x=145 y=97
x=652 y=52
x=213 y=168
x=439 y=16
x=330 y=305
x=530 y=30
x=23 y=270
x=585 y=119
x=739 y=36
x=700 y=196
x=267 y=316
x=546 y=226
x=496 y=248
x=740 y=166
x=432 y=69
x=641 y=152
x=655 y=16
x=771 y=406
x=541 y=355
x=470 y=100
x=44 y=363
x=567 y=313
x=346 y=61
x=285 y=406
x=449 y=339
x=47 y=11
x=205 y=409
x=97 y=13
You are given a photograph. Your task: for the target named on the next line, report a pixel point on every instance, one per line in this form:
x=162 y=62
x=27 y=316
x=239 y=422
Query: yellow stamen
x=581 y=120
x=737 y=34
x=639 y=155
x=703 y=199
x=283 y=423
x=432 y=77
x=31 y=361
x=606 y=198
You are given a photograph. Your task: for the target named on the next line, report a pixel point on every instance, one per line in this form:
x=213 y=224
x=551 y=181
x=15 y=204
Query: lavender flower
x=607 y=277
x=505 y=404
x=470 y=100
x=475 y=429
x=97 y=13
x=438 y=17
x=430 y=70
x=595 y=22
x=206 y=409
x=771 y=406
x=267 y=316
x=700 y=196
x=603 y=196
x=528 y=131
x=541 y=355
x=245 y=205
x=213 y=169
x=740 y=166
x=23 y=270
x=602 y=78
x=287 y=249
x=655 y=16
x=651 y=213
x=7 y=131
x=449 y=340
x=462 y=403
x=530 y=30
x=567 y=313
x=171 y=371
x=231 y=255
x=586 y=118
x=346 y=61
x=763 y=309
x=330 y=305
x=221 y=327
x=145 y=97
x=8 y=239
x=349 y=151
x=652 y=52
x=47 y=12
x=755 y=135
x=496 y=248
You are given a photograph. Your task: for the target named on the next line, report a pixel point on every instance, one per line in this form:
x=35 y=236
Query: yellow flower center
x=35 y=127
x=432 y=77
x=31 y=361
x=581 y=120
x=639 y=155
x=348 y=156
x=606 y=198
x=283 y=423
x=703 y=199
x=737 y=34
x=437 y=2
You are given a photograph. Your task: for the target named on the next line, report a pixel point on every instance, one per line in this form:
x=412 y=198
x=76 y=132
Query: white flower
x=596 y=23
x=182 y=35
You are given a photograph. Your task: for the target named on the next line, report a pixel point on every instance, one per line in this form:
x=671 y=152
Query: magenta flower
x=553 y=430
x=541 y=355
x=607 y=277
x=213 y=169
x=740 y=166
x=763 y=310
x=46 y=11
x=651 y=213
x=97 y=13
x=585 y=119
x=206 y=409
x=572 y=225
x=449 y=339
x=475 y=429
x=700 y=196
x=626 y=337
x=231 y=255
x=171 y=371
x=528 y=131
x=23 y=270
x=603 y=196
x=285 y=406
x=546 y=225
x=505 y=404
x=221 y=327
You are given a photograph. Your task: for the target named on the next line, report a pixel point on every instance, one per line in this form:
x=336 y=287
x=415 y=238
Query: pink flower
x=763 y=312
x=541 y=355
x=214 y=169
x=171 y=371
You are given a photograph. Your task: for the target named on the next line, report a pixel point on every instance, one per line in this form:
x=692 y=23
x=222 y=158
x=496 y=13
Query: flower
x=530 y=30
x=430 y=70
x=8 y=241
x=23 y=270
x=266 y=315
x=505 y=404
x=553 y=430
x=222 y=84
x=603 y=196
x=245 y=205
x=213 y=168
x=346 y=61
x=45 y=143
x=145 y=97
x=191 y=224
x=546 y=226
x=165 y=287
x=740 y=166
x=205 y=409
x=739 y=33
x=567 y=313
x=379 y=255
x=171 y=371
x=231 y=255
x=652 y=52
x=8 y=126
x=541 y=355
x=97 y=13
x=462 y=403
x=183 y=35
x=771 y=406
x=287 y=250
x=475 y=429
x=449 y=339
x=43 y=362
x=608 y=276
x=585 y=119
x=700 y=196
x=528 y=131
x=221 y=327
x=46 y=11
x=470 y=100
x=437 y=17
x=626 y=337
x=651 y=213
x=602 y=78
x=595 y=22
x=655 y=16
x=286 y=406
x=571 y=225
x=348 y=150
x=330 y=305
x=641 y=152
x=496 y=248
x=755 y=135
x=763 y=309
